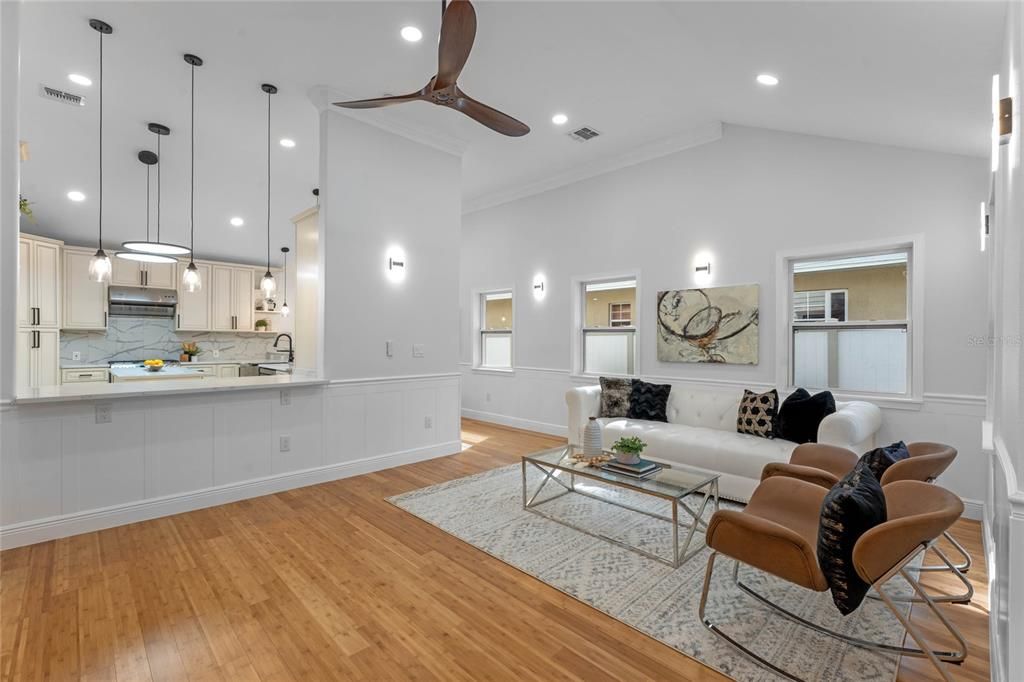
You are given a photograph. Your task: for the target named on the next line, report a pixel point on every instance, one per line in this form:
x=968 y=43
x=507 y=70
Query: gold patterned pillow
x=757 y=413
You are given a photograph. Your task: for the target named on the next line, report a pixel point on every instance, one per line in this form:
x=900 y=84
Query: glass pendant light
x=190 y=279
x=158 y=247
x=99 y=265
x=268 y=285
x=149 y=159
x=284 y=307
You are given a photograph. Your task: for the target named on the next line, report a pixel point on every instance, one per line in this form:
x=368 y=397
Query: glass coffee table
x=687 y=489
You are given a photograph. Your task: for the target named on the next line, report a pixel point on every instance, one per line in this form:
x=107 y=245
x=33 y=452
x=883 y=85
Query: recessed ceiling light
x=767 y=79
x=79 y=79
x=237 y=222
x=75 y=195
x=412 y=34
x=287 y=143
x=559 y=119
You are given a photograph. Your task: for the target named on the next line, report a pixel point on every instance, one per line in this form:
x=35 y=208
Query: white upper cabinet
x=85 y=301
x=161 y=275
x=39 y=288
x=194 y=309
x=231 y=298
x=26 y=313
x=130 y=273
x=243 y=281
x=126 y=273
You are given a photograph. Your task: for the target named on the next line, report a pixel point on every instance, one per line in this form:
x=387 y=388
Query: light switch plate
x=417 y=350
x=389 y=348
x=104 y=413
x=428 y=422
x=216 y=352
x=286 y=397
x=286 y=444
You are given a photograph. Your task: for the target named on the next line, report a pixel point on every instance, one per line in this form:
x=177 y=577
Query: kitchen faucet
x=291 y=351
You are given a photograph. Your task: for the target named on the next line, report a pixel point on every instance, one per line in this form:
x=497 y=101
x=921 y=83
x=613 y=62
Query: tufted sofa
x=701 y=432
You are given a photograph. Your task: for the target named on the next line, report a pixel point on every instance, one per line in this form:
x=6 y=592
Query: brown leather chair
x=777 y=533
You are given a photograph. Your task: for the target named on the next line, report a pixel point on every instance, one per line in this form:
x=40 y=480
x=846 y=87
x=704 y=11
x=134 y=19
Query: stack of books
x=642 y=469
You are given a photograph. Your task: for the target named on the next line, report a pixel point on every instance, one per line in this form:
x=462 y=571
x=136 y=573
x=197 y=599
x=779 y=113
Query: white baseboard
x=973 y=509
x=54 y=527
x=516 y=422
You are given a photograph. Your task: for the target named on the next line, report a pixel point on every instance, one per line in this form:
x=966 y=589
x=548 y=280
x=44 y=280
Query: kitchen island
x=168 y=372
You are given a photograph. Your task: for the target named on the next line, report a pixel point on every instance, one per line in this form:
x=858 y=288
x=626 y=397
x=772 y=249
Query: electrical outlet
x=389 y=348
x=417 y=350
x=428 y=422
x=104 y=413
x=286 y=444
x=77 y=355
x=216 y=352
x=286 y=397
x=488 y=398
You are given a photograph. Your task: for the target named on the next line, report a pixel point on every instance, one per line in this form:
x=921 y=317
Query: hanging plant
x=25 y=206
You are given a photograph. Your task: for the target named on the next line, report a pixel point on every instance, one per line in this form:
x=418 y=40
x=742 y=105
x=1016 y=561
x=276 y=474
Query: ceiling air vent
x=61 y=96
x=583 y=134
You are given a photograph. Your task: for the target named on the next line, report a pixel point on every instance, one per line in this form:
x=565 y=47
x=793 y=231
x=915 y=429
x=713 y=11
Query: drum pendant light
x=284 y=307
x=190 y=279
x=268 y=284
x=149 y=159
x=158 y=247
x=99 y=264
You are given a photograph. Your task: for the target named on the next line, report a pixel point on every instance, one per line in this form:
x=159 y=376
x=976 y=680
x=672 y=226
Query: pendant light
x=99 y=265
x=157 y=247
x=149 y=159
x=268 y=284
x=190 y=279
x=284 y=307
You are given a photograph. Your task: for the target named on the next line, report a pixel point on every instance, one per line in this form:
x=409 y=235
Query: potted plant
x=627 y=450
x=25 y=206
x=189 y=350
x=262 y=325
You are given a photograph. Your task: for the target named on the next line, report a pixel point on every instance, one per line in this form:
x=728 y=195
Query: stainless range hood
x=140 y=302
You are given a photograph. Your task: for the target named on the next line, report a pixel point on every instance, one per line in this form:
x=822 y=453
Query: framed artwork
x=717 y=325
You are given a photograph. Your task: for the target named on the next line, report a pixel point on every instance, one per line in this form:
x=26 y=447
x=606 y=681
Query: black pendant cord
x=192 y=176
x=147 y=202
x=159 y=165
x=101 y=144
x=268 y=181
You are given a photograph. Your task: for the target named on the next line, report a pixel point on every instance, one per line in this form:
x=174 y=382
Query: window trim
x=578 y=319
x=915 y=246
x=479 y=332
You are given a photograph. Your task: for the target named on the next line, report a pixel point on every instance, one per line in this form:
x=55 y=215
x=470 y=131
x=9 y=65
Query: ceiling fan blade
x=489 y=116
x=380 y=101
x=458 y=30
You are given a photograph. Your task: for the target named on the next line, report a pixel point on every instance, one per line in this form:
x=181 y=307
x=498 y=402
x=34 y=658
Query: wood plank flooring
x=330 y=582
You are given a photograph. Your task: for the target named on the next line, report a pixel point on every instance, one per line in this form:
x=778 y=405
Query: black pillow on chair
x=880 y=459
x=802 y=413
x=649 y=401
x=852 y=507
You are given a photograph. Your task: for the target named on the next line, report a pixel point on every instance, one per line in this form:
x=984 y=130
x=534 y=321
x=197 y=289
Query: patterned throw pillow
x=853 y=506
x=649 y=401
x=757 y=413
x=615 y=397
x=881 y=459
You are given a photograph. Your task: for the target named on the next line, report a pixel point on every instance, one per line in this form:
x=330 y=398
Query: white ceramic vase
x=592 y=445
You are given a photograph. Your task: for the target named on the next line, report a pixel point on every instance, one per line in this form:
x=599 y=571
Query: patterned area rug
x=486 y=511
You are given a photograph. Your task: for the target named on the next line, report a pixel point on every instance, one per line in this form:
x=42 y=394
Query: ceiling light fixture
x=412 y=34
x=149 y=159
x=559 y=119
x=237 y=222
x=99 y=264
x=287 y=143
x=191 y=279
x=267 y=284
x=767 y=79
x=284 y=307
x=79 y=79
x=158 y=247
x=75 y=195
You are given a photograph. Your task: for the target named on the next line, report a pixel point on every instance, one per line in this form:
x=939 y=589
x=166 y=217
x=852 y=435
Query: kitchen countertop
x=157 y=387
x=143 y=374
x=104 y=365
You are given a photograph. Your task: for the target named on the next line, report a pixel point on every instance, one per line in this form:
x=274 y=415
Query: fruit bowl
x=153 y=368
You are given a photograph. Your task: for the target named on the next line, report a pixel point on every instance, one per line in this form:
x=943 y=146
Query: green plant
x=25 y=206
x=262 y=323
x=631 y=445
x=190 y=348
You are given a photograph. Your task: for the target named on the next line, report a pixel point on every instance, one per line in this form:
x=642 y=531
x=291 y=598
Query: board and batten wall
x=741 y=198
x=62 y=473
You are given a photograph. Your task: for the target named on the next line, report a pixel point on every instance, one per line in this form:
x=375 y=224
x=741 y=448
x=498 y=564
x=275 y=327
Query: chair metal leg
x=962 y=598
x=963 y=566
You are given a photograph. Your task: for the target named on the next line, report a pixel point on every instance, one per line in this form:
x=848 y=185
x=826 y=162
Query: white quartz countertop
x=160 y=387
x=228 y=361
x=143 y=374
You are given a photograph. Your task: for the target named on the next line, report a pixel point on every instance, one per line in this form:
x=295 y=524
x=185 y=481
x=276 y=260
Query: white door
x=194 y=308
x=25 y=316
x=47 y=357
x=46 y=280
x=221 y=303
x=160 y=275
x=242 y=282
x=126 y=273
x=23 y=358
x=85 y=301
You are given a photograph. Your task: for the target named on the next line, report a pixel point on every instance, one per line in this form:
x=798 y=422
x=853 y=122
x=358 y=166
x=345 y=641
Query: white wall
x=741 y=198
x=10 y=167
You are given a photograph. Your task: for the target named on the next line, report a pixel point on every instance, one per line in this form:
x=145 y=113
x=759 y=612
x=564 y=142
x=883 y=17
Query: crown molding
x=388 y=119
x=694 y=137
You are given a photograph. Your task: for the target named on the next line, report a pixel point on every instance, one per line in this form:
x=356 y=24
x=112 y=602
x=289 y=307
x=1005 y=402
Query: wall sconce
x=706 y=269
x=985 y=226
x=395 y=264
x=539 y=286
x=392 y=264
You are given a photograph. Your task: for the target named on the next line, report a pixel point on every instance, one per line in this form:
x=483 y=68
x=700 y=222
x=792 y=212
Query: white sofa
x=701 y=432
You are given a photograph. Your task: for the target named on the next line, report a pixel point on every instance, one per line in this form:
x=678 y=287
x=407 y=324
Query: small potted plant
x=627 y=450
x=25 y=206
x=262 y=325
x=189 y=350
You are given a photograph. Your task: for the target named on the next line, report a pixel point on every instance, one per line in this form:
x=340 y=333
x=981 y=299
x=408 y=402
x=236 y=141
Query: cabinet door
x=126 y=273
x=47 y=358
x=227 y=371
x=46 y=283
x=23 y=358
x=221 y=302
x=160 y=275
x=85 y=301
x=243 y=280
x=24 y=283
x=194 y=308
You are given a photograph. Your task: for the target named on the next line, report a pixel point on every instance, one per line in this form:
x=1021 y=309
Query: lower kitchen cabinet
x=37 y=358
x=84 y=375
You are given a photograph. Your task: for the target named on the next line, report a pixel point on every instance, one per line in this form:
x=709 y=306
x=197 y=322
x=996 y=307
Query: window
x=608 y=332
x=496 y=330
x=850 y=325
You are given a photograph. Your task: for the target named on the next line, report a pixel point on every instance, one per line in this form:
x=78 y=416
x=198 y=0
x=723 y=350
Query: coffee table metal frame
x=707 y=488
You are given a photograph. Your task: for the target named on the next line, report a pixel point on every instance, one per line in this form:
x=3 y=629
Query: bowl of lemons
x=153 y=365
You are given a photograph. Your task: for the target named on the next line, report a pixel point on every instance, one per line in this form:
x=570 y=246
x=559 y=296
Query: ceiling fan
x=458 y=29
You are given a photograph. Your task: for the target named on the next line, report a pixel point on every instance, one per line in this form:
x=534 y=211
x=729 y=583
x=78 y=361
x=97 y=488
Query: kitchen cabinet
x=231 y=300
x=130 y=273
x=39 y=282
x=38 y=357
x=227 y=371
x=194 y=311
x=84 y=375
x=85 y=301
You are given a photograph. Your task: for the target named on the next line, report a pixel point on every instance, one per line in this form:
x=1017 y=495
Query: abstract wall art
x=717 y=325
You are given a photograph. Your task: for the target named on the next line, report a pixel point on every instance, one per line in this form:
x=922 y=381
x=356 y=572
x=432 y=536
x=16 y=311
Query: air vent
x=61 y=96
x=584 y=134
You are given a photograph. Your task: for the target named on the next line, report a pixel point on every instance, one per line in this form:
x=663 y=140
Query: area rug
x=485 y=510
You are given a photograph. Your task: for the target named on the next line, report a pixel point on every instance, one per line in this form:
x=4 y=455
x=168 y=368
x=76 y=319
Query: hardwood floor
x=331 y=582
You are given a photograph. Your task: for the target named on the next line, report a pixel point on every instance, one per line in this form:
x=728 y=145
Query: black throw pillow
x=757 y=413
x=880 y=459
x=852 y=507
x=649 y=401
x=615 y=397
x=802 y=413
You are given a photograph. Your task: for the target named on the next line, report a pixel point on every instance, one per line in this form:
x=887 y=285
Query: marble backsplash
x=138 y=338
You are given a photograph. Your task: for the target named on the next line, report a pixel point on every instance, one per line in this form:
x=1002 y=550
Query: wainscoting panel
x=185 y=461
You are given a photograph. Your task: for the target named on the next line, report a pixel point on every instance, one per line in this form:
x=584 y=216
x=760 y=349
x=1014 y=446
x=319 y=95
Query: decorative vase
x=592 y=444
x=185 y=358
